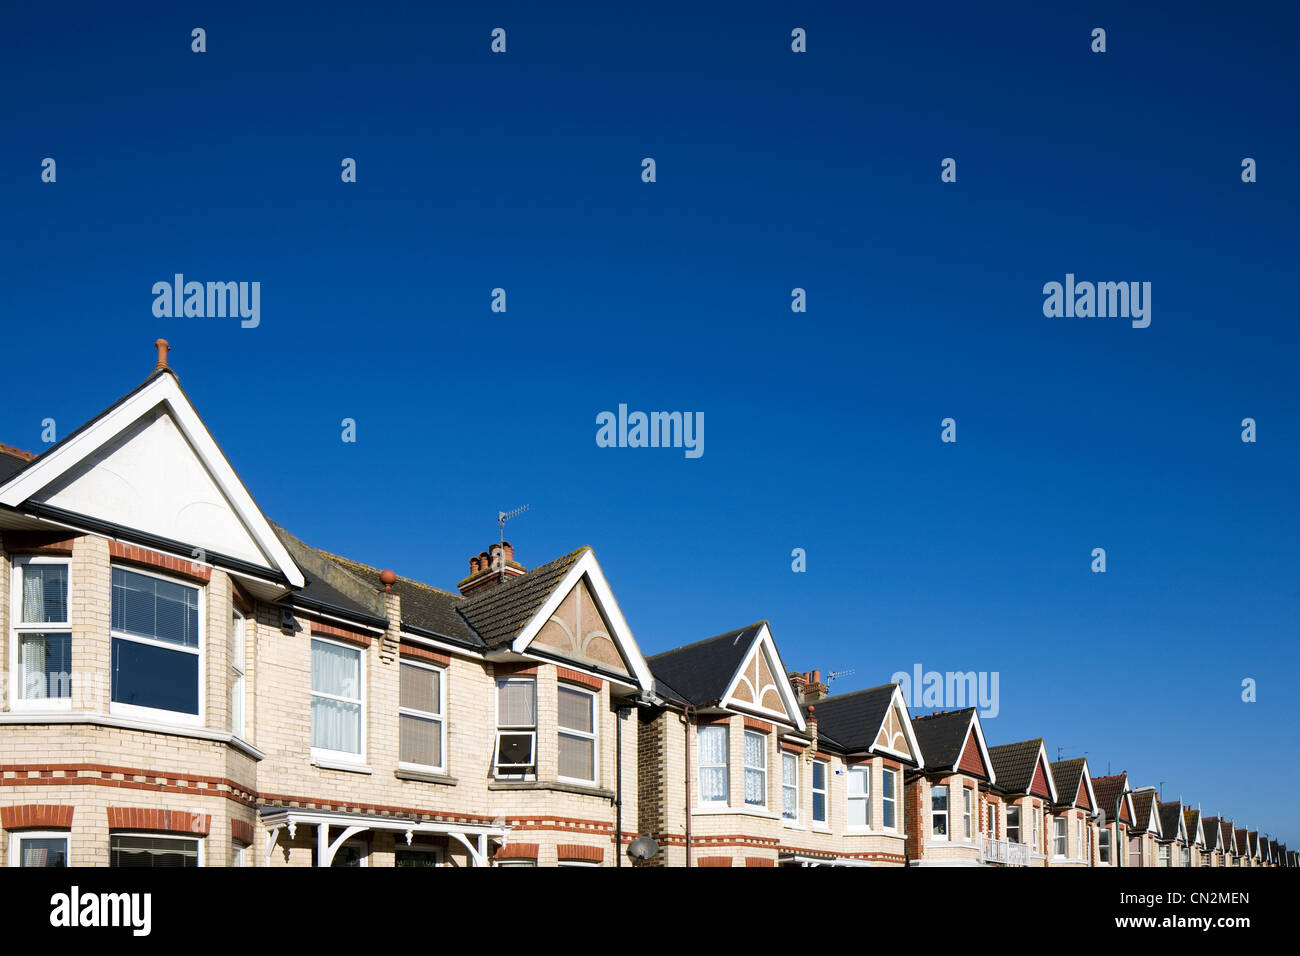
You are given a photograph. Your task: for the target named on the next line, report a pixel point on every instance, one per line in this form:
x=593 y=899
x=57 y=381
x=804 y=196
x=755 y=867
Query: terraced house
x=189 y=684
x=1074 y=827
x=1025 y=782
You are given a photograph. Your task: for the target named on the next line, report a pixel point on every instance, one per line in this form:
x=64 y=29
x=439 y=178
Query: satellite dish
x=643 y=848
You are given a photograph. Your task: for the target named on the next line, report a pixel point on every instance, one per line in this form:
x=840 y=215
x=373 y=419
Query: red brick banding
x=143 y=557
x=713 y=861
x=241 y=832
x=36 y=816
x=759 y=861
x=342 y=633
x=576 y=851
x=510 y=670
x=517 y=851
x=160 y=821
x=752 y=723
x=576 y=677
x=423 y=654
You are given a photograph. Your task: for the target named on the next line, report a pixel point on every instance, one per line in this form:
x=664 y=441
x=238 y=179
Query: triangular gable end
x=895 y=735
x=151 y=466
x=1126 y=810
x=1081 y=798
x=1154 y=823
x=578 y=630
x=759 y=684
x=612 y=626
x=974 y=754
x=1038 y=785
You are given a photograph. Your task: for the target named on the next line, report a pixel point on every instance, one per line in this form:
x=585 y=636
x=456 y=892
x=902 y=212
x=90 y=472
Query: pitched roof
x=1015 y=763
x=1108 y=790
x=499 y=613
x=851 y=721
x=1191 y=818
x=1068 y=773
x=941 y=736
x=1142 y=800
x=1243 y=844
x=1171 y=815
x=12 y=461
x=1213 y=833
x=699 y=673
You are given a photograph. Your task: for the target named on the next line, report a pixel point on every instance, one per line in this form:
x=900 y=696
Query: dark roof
x=1142 y=808
x=1170 y=814
x=941 y=737
x=1226 y=831
x=851 y=721
x=12 y=461
x=500 y=612
x=327 y=587
x=1067 y=774
x=699 y=673
x=1013 y=764
x=1243 y=843
x=1108 y=790
x=1190 y=817
x=1213 y=833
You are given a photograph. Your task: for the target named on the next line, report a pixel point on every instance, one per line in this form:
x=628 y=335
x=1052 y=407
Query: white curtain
x=755 y=767
x=789 y=786
x=32 y=661
x=335 y=724
x=713 y=763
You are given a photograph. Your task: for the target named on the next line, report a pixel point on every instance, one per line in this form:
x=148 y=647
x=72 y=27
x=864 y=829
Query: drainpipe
x=1114 y=848
x=686 y=724
x=618 y=793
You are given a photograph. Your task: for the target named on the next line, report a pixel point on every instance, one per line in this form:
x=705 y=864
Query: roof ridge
x=14 y=452
x=370 y=567
x=852 y=693
x=471 y=601
x=685 y=647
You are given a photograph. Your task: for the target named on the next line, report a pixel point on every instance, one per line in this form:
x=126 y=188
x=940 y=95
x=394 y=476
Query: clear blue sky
x=775 y=170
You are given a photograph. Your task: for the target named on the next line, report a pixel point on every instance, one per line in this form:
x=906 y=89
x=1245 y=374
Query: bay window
x=238 y=652
x=712 y=740
x=968 y=813
x=819 y=791
x=755 y=769
x=336 y=701
x=859 y=798
x=1059 y=836
x=419 y=716
x=939 y=812
x=1013 y=824
x=577 y=724
x=889 y=797
x=1103 y=845
x=41 y=639
x=789 y=786
x=129 y=849
x=34 y=848
x=157 y=653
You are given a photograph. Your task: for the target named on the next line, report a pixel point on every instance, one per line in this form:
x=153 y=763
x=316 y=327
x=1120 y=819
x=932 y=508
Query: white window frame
x=725 y=730
x=154 y=714
x=17 y=836
x=201 y=841
x=531 y=731
x=17 y=628
x=968 y=814
x=576 y=863
x=863 y=772
x=889 y=798
x=1166 y=855
x=594 y=697
x=238 y=668
x=794 y=761
x=1078 y=838
x=438 y=718
x=1061 y=824
x=1020 y=833
x=945 y=813
x=321 y=754
x=824 y=791
x=1103 y=845
x=762 y=770
x=1038 y=819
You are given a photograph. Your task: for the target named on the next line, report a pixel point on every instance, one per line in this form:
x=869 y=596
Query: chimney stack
x=162 y=347
x=485 y=570
x=809 y=687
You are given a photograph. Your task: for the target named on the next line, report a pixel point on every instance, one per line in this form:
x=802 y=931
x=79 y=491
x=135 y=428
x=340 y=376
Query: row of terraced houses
x=189 y=684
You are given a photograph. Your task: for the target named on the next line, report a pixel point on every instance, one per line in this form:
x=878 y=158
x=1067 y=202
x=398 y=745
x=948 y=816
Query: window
x=419 y=716
x=413 y=856
x=35 y=848
x=755 y=769
x=819 y=791
x=1103 y=845
x=132 y=850
x=1038 y=820
x=1164 y=854
x=1185 y=857
x=859 y=799
x=239 y=855
x=577 y=723
x=713 y=763
x=1059 y=836
x=237 y=656
x=1078 y=838
x=789 y=786
x=939 y=812
x=42 y=639
x=889 y=795
x=335 y=700
x=967 y=814
x=1013 y=824
x=516 y=727
x=520 y=862
x=157 y=660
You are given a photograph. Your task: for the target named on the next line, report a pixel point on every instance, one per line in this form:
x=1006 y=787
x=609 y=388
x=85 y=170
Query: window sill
x=868 y=831
x=738 y=811
x=551 y=785
x=334 y=763
x=793 y=825
x=404 y=772
x=820 y=828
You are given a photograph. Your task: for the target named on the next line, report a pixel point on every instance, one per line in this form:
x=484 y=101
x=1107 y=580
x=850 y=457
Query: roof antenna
x=502 y=518
x=834 y=674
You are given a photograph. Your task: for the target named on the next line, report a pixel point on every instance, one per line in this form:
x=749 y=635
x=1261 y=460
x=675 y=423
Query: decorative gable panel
x=1081 y=798
x=578 y=631
x=1038 y=785
x=971 y=759
x=757 y=685
x=891 y=734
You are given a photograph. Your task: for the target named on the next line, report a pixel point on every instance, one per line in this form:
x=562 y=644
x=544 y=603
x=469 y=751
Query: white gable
x=760 y=684
x=150 y=479
x=150 y=465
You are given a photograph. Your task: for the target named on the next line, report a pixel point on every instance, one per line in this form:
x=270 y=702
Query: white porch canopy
x=289 y=818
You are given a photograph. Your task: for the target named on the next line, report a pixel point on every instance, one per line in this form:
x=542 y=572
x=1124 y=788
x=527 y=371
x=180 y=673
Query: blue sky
x=774 y=171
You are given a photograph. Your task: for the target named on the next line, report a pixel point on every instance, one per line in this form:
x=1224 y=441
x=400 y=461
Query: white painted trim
x=18 y=628
x=162 y=390
x=514 y=730
x=980 y=744
x=309 y=614
x=122 y=723
x=339 y=759
x=17 y=836
x=440 y=717
x=748 y=810
x=436 y=644
x=594 y=736
x=904 y=718
x=793 y=713
x=622 y=634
